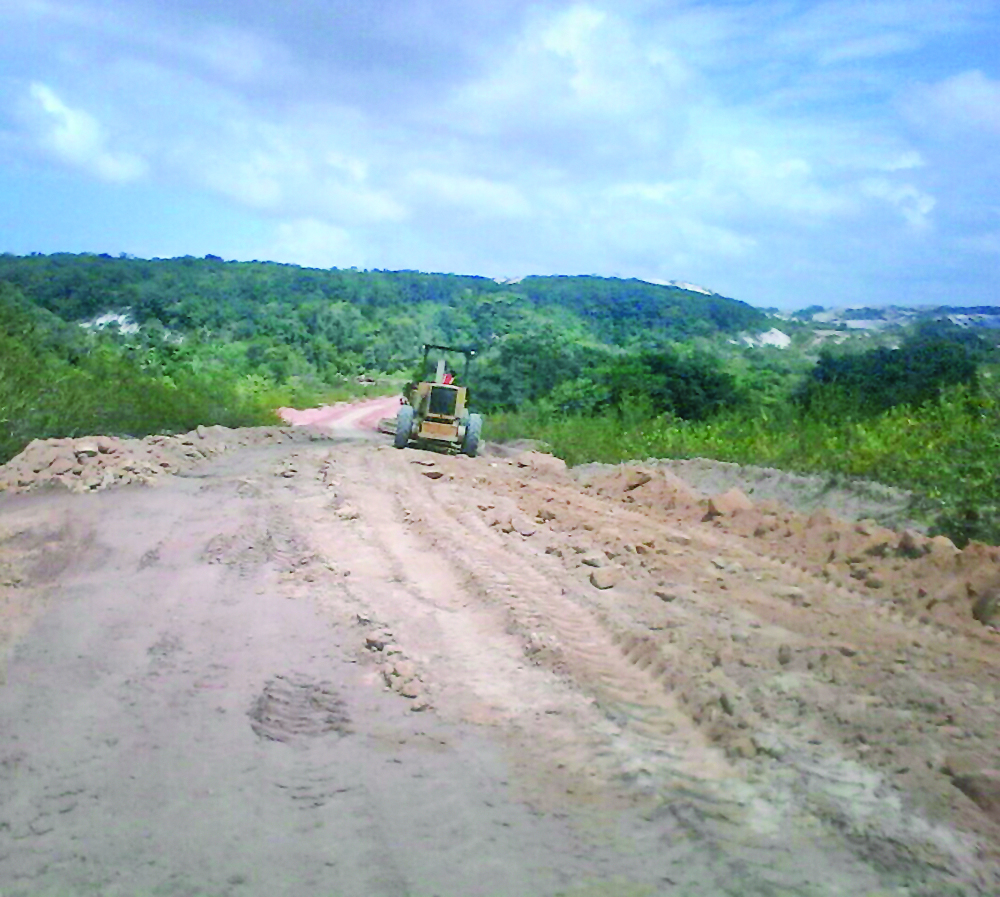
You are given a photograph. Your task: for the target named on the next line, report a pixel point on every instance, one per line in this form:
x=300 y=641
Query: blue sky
x=784 y=153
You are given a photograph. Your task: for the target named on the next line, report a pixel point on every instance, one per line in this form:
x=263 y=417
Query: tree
x=874 y=381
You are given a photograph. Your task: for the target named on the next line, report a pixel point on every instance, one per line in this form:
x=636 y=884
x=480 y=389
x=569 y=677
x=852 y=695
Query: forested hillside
x=273 y=329
x=357 y=320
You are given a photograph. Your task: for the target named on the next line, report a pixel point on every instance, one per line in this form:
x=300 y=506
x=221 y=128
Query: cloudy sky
x=784 y=153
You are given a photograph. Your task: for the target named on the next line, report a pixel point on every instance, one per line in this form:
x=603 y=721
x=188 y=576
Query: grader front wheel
x=404 y=426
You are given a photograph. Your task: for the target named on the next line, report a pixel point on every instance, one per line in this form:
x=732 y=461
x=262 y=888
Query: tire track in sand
x=648 y=741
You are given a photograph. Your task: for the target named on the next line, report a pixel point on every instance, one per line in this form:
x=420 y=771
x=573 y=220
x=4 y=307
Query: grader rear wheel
x=473 y=431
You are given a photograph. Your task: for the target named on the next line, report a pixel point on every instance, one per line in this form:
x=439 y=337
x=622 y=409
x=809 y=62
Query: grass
x=946 y=451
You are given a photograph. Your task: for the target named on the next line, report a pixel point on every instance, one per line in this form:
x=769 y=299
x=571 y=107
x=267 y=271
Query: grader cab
x=435 y=412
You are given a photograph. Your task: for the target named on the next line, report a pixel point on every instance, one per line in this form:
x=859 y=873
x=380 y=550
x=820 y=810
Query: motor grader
x=435 y=413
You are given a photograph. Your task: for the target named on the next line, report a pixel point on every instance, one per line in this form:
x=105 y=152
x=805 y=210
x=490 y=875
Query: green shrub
x=874 y=381
x=54 y=385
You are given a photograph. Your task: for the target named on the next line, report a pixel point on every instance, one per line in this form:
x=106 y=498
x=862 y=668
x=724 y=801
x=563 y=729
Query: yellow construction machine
x=435 y=413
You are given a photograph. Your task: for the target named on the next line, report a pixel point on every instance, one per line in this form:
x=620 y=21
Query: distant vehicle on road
x=434 y=412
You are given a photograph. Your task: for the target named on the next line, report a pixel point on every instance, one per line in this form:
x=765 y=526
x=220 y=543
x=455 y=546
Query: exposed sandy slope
x=335 y=667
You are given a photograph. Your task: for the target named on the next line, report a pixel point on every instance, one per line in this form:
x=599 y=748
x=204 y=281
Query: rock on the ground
x=675 y=536
x=606 y=577
x=411 y=689
x=636 y=478
x=982 y=787
x=943 y=552
x=540 y=462
x=820 y=518
x=377 y=641
x=742 y=747
x=404 y=669
x=728 y=503
x=523 y=526
x=911 y=544
x=769 y=744
x=987 y=607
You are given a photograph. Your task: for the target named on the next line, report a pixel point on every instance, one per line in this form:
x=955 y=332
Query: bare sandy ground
x=334 y=667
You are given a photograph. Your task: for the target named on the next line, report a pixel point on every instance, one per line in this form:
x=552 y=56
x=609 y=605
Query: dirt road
x=357 y=416
x=335 y=667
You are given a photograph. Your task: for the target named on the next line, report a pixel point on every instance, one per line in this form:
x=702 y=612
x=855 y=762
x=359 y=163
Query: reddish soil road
x=338 y=668
x=346 y=416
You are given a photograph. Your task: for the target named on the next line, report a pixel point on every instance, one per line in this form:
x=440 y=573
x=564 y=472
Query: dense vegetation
x=57 y=380
x=601 y=369
x=870 y=383
x=319 y=325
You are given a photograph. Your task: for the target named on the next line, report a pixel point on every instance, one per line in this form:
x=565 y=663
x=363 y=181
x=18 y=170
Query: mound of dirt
x=927 y=579
x=93 y=463
x=852 y=499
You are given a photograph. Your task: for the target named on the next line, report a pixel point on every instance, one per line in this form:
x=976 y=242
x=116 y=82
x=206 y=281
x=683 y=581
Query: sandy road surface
x=341 y=668
x=344 y=417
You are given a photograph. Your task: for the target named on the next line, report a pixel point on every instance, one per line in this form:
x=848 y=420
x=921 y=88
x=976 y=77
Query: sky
x=782 y=153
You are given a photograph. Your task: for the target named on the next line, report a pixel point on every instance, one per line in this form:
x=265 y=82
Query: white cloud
x=356 y=169
x=572 y=83
x=254 y=178
x=314 y=244
x=289 y=179
x=77 y=138
x=772 y=181
x=848 y=30
x=44 y=9
x=737 y=165
x=317 y=161
x=474 y=195
x=233 y=52
x=869 y=47
x=913 y=204
x=986 y=243
x=968 y=100
x=571 y=33
x=904 y=161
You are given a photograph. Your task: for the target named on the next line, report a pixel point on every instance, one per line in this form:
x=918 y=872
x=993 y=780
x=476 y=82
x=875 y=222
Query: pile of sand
x=92 y=463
